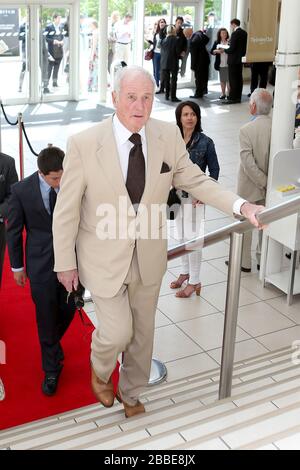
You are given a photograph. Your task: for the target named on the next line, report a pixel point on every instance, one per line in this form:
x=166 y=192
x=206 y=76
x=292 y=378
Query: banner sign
x=9 y=32
x=262 y=30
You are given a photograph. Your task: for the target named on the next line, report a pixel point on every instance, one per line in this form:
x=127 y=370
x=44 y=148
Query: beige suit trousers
x=126 y=324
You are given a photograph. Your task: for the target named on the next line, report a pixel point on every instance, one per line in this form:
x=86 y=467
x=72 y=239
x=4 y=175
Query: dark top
x=54 y=49
x=202 y=152
x=8 y=176
x=217 y=56
x=170 y=50
x=238 y=47
x=26 y=209
x=199 y=54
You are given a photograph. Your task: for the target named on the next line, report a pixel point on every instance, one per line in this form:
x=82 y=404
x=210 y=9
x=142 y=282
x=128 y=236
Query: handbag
x=173 y=204
x=149 y=54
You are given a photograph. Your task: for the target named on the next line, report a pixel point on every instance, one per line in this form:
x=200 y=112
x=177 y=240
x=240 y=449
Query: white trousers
x=190 y=224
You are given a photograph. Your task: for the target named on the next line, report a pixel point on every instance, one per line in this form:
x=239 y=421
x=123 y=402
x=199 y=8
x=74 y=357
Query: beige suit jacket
x=93 y=177
x=255 y=138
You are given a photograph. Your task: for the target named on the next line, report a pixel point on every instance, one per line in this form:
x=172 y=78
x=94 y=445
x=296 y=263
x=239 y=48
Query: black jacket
x=199 y=54
x=27 y=210
x=55 y=50
x=217 y=56
x=8 y=176
x=238 y=47
x=170 y=51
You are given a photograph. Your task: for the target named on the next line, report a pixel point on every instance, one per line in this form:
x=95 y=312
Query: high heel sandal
x=178 y=283
x=187 y=291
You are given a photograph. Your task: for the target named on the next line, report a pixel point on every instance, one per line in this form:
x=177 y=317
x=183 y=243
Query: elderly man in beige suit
x=255 y=139
x=115 y=174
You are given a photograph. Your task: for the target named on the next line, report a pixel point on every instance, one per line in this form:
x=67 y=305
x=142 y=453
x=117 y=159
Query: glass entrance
x=14 y=52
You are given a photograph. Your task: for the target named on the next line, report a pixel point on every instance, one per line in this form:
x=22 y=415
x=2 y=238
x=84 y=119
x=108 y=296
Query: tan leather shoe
x=131 y=410
x=102 y=391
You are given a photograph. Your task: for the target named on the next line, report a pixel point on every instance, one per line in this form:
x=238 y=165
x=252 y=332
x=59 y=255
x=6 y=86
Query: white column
x=74 y=75
x=199 y=15
x=103 y=50
x=242 y=12
x=287 y=62
x=138 y=37
x=229 y=9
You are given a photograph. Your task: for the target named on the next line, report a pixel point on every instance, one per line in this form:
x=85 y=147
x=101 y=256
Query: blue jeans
x=156 y=67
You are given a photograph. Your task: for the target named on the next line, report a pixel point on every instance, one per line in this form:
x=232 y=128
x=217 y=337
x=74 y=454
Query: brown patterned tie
x=135 y=182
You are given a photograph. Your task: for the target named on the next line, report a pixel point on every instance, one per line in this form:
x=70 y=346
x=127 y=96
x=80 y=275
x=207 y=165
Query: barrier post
x=21 y=148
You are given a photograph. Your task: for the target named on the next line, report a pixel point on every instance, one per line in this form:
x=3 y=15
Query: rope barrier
x=27 y=140
x=6 y=118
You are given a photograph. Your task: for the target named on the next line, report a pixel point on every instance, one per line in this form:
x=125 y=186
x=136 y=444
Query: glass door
x=14 y=52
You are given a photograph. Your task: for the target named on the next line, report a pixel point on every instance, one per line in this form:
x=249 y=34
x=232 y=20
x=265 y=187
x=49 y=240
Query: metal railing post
x=231 y=314
x=21 y=148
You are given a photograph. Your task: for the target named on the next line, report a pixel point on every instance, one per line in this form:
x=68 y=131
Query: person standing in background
x=94 y=54
x=255 y=139
x=202 y=152
x=114 y=18
x=160 y=25
x=23 y=40
x=221 y=62
x=259 y=73
x=123 y=31
x=200 y=62
x=236 y=51
x=55 y=39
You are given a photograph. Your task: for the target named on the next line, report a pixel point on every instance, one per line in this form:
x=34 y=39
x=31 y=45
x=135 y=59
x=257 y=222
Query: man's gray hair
x=132 y=70
x=263 y=100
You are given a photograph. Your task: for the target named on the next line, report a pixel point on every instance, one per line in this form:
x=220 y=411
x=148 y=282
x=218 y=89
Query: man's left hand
x=250 y=211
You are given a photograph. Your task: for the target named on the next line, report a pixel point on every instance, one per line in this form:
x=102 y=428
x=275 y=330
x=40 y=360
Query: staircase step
x=44 y=438
x=279 y=421
x=182 y=413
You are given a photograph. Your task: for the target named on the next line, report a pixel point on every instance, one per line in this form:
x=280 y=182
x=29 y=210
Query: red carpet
x=22 y=374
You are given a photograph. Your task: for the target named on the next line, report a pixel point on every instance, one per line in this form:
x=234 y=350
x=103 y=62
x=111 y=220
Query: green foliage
x=213 y=5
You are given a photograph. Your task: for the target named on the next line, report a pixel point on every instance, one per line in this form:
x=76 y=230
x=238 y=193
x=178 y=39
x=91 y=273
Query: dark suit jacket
x=238 y=47
x=217 y=56
x=27 y=210
x=8 y=176
x=55 y=50
x=199 y=55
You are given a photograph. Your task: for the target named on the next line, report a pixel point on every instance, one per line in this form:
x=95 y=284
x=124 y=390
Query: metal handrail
x=236 y=232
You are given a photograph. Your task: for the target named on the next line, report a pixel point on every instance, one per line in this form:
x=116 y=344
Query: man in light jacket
x=255 y=138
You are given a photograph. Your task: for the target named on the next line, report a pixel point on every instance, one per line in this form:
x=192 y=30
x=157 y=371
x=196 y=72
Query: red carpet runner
x=22 y=374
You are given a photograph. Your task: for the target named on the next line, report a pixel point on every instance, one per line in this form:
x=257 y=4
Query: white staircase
x=263 y=413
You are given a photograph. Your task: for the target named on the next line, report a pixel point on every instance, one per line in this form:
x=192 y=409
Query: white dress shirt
x=124 y=145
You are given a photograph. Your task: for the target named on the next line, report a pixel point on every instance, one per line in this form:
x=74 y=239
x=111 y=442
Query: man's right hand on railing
x=250 y=211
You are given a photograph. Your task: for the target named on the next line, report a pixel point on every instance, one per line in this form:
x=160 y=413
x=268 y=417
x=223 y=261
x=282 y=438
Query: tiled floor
x=188 y=335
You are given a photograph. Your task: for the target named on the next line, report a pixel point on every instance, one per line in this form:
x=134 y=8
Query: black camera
x=78 y=296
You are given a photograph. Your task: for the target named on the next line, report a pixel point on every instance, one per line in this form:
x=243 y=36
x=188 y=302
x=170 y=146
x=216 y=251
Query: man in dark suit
x=199 y=62
x=54 y=34
x=237 y=50
x=31 y=207
x=8 y=176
